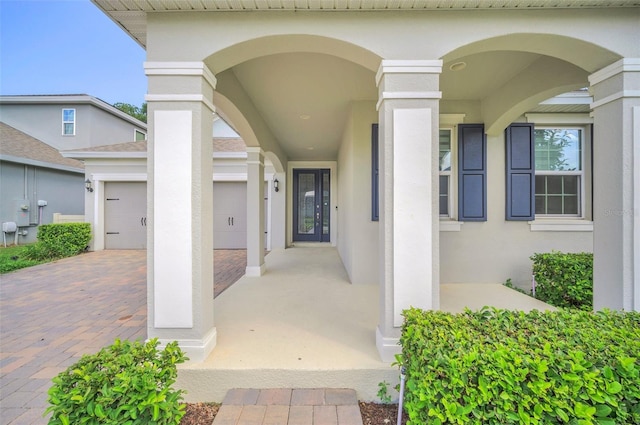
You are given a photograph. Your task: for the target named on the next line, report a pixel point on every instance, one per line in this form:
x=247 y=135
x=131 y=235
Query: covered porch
x=303 y=324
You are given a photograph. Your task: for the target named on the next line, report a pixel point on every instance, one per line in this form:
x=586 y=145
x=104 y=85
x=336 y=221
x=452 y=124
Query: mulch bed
x=372 y=414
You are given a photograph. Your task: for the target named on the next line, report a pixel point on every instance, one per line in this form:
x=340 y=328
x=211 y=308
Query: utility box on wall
x=22 y=213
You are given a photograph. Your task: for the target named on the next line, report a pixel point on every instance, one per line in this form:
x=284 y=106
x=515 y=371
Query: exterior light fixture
x=458 y=66
x=88 y=186
x=276 y=185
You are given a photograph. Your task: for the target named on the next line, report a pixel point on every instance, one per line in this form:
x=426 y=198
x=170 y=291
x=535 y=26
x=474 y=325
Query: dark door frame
x=322 y=212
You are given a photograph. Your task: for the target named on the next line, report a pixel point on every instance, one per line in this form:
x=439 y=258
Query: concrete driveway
x=52 y=314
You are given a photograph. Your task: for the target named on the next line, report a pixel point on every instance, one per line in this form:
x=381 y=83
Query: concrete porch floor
x=303 y=325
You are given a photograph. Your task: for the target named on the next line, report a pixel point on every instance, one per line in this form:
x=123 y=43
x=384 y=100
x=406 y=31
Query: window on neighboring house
x=68 y=122
x=444 y=161
x=558 y=171
x=139 y=136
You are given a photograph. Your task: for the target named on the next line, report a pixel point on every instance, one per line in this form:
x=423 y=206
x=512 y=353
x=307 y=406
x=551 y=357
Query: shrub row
x=505 y=367
x=127 y=383
x=59 y=240
x=564 y=279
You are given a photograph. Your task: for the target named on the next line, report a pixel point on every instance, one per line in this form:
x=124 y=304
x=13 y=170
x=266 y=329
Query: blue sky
x=68 y=47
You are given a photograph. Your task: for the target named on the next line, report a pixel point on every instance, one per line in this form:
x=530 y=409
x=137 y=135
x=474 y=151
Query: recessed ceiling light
x=305 y=117
x=310 y=148
x=458 y=66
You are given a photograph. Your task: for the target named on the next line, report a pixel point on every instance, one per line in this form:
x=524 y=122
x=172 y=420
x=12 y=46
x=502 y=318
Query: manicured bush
x=125 y=383
x=60 y=240
x=564 y=280
x=505 y=367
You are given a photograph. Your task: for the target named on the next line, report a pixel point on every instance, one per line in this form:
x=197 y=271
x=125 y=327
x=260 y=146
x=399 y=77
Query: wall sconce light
x=88 y=186
x=276 y=185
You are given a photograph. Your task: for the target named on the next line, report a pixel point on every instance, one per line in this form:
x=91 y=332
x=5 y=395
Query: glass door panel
x=306 y=203
x=312 y=200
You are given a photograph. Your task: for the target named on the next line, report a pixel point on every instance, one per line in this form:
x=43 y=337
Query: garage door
x=230 y=215
x=125 y=215
x=125 y=212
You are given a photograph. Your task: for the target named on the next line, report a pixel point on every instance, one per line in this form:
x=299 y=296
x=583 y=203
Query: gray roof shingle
x=17 y=145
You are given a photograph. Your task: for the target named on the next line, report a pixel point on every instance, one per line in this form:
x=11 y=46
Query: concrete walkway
x=54 y=313
x=286 y=406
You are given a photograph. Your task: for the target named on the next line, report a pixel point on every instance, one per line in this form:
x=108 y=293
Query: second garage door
x=126 y=221
x=230 y=215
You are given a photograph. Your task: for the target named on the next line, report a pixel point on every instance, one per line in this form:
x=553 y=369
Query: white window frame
x=64 y=122
x=584 y=223
x=582 y=174
x=450 y=122
x=448 y=173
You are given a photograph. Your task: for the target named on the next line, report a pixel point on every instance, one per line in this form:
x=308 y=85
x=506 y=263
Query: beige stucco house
x=409 y=135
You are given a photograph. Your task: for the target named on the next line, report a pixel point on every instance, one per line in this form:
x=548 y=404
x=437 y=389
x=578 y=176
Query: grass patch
x=14 y=258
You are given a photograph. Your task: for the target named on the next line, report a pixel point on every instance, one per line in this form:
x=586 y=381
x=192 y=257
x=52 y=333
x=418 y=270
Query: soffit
x=131 y=14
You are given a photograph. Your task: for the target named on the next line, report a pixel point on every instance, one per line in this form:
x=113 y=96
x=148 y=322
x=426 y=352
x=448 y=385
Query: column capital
x=255 y=155
x=185 y=89
x=180 y=69
x=408 y=67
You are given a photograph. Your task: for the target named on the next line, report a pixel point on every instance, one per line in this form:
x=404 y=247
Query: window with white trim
x=559 y=171
x=68 y=122
x=139 y=136
x=444 y=168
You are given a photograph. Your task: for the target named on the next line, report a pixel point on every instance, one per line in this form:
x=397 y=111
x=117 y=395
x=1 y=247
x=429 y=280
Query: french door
x=311 y=205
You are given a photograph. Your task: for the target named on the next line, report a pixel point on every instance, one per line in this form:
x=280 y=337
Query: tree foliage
x=139 y=113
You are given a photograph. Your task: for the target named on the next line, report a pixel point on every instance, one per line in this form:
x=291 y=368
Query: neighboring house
x=117 y=208
x=72 y=121
x=36 y=182
x=414 y=129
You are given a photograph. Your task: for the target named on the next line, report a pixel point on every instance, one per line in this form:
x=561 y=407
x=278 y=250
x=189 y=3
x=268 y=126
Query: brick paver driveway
x=54 y=313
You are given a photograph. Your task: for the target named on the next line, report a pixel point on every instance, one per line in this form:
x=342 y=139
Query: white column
x=180 y=206
x=616 y=185
x=255 y=212
x=408 y=123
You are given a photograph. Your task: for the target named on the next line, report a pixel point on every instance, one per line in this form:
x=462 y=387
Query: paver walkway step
x=287 y=406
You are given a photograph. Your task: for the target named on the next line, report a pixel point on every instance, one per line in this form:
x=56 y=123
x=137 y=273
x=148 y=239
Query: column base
x=255 y=271
x=196 y=349
x=388 y=347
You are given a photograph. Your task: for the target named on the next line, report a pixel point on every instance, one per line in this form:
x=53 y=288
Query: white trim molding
x=408 y=67
x=119 y=177
x=387 y=347
x=181 y=68
x=196 y=349
x=450 y=225
x=623 y=65
x=615 y=96
x=546 y=225
x=557 y=119
x=180 y=98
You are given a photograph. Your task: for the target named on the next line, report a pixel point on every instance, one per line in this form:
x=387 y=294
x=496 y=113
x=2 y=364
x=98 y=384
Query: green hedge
x=504 y=367
x=60 y=240
x=127 y=383
x=564 y=279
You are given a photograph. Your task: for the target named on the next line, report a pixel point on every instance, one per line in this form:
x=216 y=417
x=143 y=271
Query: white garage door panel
x=230 y=215
x=125 y=215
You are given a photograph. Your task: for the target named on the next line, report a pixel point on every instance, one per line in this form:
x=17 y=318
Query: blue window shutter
x=375 y=179
x=521 y=172
x=472 y=173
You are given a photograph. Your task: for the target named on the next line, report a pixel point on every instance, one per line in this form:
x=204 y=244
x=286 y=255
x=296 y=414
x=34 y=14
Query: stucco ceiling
x=305 y=98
